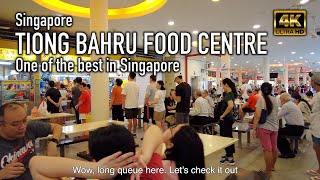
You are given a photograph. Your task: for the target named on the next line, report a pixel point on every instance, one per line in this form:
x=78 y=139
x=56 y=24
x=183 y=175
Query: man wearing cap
x=315 y=122
x=182 y=96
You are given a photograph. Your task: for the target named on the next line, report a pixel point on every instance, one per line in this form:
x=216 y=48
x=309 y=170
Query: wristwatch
x=54 y=140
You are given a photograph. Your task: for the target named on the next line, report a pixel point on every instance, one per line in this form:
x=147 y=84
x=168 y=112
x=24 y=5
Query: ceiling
x=205 y=15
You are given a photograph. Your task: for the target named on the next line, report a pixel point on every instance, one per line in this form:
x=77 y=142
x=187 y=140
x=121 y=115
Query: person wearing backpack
x=266 y=125
x=227 y=119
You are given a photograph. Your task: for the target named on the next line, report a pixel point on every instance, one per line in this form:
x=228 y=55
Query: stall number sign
x=289 y=22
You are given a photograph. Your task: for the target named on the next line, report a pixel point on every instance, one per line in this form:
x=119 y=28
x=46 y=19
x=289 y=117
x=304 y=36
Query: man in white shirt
x=244 y=88
x=294 y=125
x=130 y=101
x=315 y=122
x=206 y=96
x=201 y=110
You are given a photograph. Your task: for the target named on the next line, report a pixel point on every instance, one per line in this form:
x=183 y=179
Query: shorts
x=182 y=118
x=248 y=110
x=131 y=113
x=316 y=140
x=268 y=139
x=82 y=116
x=159 y=116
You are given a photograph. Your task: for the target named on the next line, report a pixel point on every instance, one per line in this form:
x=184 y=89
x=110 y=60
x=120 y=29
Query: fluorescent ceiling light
x=195 y=32
x=312 y=53
x=235 y=64
x=301 y=57
x=293 y=52
x=304 y=1
x=280 y=42
x=291 y=60
x=5 y=63
x=215 y=0
x=257 y=26
x=171 y=23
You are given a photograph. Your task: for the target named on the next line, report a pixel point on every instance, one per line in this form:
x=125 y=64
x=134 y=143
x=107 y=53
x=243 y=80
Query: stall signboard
x=12 y=55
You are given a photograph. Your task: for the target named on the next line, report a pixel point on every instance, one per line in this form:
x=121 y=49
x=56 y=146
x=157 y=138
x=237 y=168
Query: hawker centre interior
x=160 y=89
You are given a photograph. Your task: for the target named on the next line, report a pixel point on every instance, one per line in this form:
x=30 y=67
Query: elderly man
x=201 y=110
x=206 y=96
x=17 y=141
x=294 y=124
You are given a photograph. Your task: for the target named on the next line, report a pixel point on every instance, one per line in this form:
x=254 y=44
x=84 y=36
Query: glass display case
x=16 y=91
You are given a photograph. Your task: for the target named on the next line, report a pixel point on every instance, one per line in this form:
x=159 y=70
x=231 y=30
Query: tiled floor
x=250 y=157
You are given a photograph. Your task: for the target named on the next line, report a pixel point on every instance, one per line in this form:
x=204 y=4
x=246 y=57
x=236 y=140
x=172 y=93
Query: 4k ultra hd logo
x=289 y=22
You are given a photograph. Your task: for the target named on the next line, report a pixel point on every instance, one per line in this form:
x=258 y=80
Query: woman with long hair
x=119 y=141
x=178 y=156
x=304 y=106
x=268 y=131
x=227 y=119
x=159 y=108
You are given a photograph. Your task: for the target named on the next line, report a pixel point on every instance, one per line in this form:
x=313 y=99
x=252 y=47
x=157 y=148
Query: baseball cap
x=177 y=75
x=316 y=77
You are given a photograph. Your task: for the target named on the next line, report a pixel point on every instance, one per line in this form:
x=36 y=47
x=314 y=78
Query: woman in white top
x=64 y=96
x=159 y=107
x=304 y=107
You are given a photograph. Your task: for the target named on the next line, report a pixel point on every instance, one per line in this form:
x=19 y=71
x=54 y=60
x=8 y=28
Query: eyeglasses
x=18 y=124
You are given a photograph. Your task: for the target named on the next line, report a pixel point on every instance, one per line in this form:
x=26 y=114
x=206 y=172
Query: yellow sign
x=290 y=22
x=12 y=55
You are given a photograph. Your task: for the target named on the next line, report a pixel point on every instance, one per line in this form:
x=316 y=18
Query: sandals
x=313 y=173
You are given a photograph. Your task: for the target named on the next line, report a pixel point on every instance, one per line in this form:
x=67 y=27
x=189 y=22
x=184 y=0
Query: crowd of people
x=174 y=118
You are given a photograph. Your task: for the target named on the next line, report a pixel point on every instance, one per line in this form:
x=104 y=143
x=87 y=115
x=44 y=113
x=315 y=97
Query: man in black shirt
x=53 y=98
x=183 y=94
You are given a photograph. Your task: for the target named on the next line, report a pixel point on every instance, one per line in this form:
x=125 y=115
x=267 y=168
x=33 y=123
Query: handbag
x=264 y=114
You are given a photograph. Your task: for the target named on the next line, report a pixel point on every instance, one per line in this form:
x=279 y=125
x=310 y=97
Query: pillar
x=240 y=78
x=225 y=66
x=304 y=76
x=99 y=81
x=169 y=76
x=266 y=70
x=218 y=76
x=286 y=77
x=297 y=76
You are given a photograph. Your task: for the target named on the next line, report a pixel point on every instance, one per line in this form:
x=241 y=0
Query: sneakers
x=225 y=160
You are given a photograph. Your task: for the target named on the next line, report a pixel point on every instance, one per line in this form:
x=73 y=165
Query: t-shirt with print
x=272 y=123
x=160 y=95
x=151 y=91
x=23 y=149
x=169 y=102
x=85 y=107
x=131 y=91
x=55 y=95
x=184 y=91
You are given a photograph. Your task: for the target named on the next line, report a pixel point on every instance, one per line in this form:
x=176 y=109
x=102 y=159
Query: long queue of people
x=113 y=147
